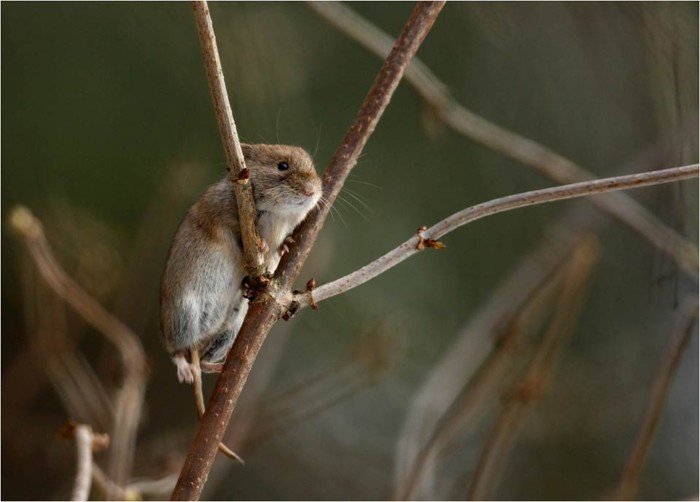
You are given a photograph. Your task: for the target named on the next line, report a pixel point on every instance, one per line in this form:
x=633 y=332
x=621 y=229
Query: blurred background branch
x=520 y=148
x=658 y=394
x=108 y=136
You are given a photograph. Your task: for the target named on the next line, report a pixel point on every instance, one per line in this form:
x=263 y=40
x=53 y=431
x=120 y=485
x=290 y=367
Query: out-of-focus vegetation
x=108 y=135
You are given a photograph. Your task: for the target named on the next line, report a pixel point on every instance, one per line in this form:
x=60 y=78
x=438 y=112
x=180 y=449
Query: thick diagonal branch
x=508 y=143
x=410 y=247
x=235 y=163
x=265 y=311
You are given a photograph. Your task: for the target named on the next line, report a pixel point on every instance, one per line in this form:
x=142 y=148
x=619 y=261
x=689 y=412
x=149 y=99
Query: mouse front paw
x=284 y=247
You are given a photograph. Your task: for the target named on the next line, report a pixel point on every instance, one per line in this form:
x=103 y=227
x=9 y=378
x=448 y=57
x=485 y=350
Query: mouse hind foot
x=185 y=370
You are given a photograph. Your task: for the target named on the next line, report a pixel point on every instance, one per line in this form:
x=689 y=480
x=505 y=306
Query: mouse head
x=283 y=177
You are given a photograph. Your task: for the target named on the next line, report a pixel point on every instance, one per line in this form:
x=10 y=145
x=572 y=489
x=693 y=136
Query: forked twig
x=658 y=394
x=265 y=311
x=519 y=148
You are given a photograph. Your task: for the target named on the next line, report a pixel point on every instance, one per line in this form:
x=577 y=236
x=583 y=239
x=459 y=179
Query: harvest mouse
x=201 y=302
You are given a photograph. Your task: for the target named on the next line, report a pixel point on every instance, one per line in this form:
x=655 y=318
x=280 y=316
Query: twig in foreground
x=266 y=311
x=499 y=139
x=629 y=481
x=532 y=385
x=410 y=247
x=235 y=163
x=85 y=443
x=83 y=475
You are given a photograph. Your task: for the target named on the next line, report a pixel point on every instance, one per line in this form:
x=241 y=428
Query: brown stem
x=627 y=487
x=266 y=311
x=235 y=163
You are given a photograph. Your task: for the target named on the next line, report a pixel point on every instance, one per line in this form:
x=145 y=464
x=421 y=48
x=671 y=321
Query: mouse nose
x=308 y=189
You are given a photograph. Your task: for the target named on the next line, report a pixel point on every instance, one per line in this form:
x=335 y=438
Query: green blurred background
x=108 y=134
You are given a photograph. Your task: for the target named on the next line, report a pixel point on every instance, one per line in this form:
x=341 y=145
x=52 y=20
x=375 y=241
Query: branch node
x=243 y=176
x=310 y=286
x=291 y=310
x=253 y=287
x=424 y=242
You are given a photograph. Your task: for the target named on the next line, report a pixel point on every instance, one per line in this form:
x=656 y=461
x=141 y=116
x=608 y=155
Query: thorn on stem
x=310 y=286
x=243 y=176
x=427 y=243
x=291 y=310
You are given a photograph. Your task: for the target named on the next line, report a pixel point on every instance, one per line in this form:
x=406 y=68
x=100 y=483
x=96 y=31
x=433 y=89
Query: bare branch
x=519 y=148
x=629 y=481
x=252 y=244
x=130 y=396
x=411 y=246
x=266 y=311
x=83 y=475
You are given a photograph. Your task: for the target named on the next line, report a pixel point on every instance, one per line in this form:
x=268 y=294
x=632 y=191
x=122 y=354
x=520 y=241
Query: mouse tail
x=199 y=400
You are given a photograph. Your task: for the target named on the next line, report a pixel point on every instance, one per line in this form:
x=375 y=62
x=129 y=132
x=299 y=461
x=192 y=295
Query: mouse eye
x=282 y=166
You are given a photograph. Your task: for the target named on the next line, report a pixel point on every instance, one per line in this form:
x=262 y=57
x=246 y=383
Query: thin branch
x=235 y=163
x=530 y=388
x=83 y=475
x=499 y=139
x=129 y=400
x=411 y=246
x=266 y=311
x=629 y=481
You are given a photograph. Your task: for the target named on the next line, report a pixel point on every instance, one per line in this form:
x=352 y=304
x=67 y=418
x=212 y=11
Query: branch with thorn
x=428 y=237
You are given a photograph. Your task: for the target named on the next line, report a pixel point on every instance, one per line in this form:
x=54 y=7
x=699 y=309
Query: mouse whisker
x=362 y=182
x=357 y=197
x=341 y=198
x=337 y=211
